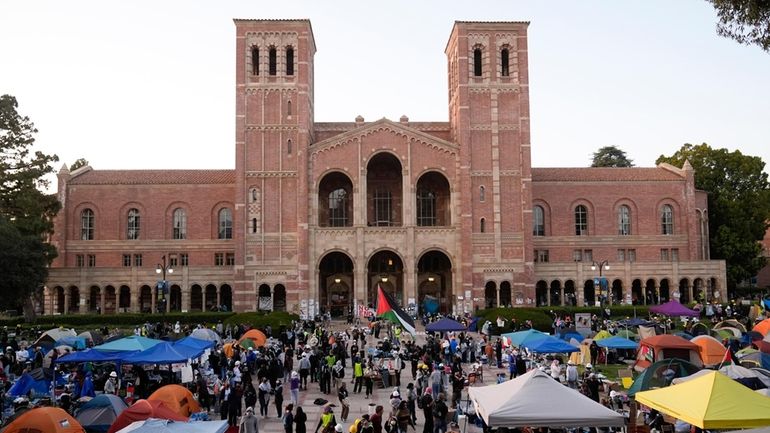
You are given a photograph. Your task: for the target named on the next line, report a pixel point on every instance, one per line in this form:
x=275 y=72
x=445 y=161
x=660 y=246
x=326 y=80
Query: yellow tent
x=712 y=401
x=602 y=335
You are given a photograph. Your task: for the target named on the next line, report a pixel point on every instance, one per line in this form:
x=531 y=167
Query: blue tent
x=617 y=343
x=567 y=336
x=91 y=355
x=162 y=353
x=27 y=383
x=519 y=337
x=473 y=327
x=132 y=343
x=98 y=414
x=445 y=325
x=548 y=344
x=195 y=343
x=78 y=343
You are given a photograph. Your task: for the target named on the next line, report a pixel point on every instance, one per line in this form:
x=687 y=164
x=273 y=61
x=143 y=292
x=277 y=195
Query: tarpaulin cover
x=517 y=338
x=142 y=410
x=27 y=383
x=673 y=308
x=98 y=414
x=132 y=343
x=531 y=399
x=91 y=355
x=617 y=343
x=166 y=426
x=162 y=353
x=45 y=419
x=712 y=401
x=548 y=344
x=445 y=325
x=195 y=343
x=176 y=398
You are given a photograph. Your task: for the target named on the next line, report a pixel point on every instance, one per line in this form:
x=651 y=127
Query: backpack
x=439 y=409
x=355 y=426
x=339 y=373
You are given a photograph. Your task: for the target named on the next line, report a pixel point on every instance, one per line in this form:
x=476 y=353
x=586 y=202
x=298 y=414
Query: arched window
x=179 y=223
x=538 y=221
x=255 y=61
x=477 y=62
x=87 y=225
x=426 y=208
x=624 y=220
x=581 y=220
x=288 y=147
x=504 y=69
x=253 y=194
x=482 y=225
x=272 y=66
x=134 y=224
x=289 y=61
x=482 y=193
x=253 y=225
x=338 y=208
x=225 y=223
x=667 y=220
x=288 y=108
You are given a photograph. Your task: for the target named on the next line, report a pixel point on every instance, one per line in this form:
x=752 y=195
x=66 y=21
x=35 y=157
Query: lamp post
x=163 y=284
x=602 y=265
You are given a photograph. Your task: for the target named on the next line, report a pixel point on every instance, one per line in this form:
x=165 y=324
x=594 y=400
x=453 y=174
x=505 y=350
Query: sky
x=151 y=84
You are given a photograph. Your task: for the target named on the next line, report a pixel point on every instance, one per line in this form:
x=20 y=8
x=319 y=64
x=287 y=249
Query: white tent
x=536 y=400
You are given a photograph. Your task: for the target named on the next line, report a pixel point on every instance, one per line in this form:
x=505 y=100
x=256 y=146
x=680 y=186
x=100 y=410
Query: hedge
x=275 y=319
x=111 y=320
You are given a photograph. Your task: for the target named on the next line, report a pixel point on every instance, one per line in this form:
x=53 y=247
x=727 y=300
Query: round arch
x=196 y=297
x=637 y=295
x=617 y=291
x=541 y=293
x=589 y=292
x=650 y=294
x=264 y=298
x=336 y=283
x=175 y=298
x=279 y=298
x=225 y=298
x=110 y=300
x=335 y=200
x=384 y=194
x=433 y=200
x=684 y=291
x=570 y=297
x=124 y=299
x=145 y=299
x=555 y=292
x=490 y=294
x=385 y=268
x=434 y=282
x=95 y=299
x=665 y=290
x=505 y=294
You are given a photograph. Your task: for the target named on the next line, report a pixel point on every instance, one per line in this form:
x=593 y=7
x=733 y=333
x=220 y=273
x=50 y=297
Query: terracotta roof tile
x=154 y=177
x=602 y=174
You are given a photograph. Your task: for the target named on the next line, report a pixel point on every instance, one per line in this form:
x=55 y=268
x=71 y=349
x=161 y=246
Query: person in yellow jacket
x=358 y=375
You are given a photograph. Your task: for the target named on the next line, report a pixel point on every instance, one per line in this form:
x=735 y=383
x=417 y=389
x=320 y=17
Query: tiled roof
x=602 y=174
x=154 y=177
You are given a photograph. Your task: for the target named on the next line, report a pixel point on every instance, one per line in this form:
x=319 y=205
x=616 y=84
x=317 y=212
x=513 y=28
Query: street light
x=163 y=284
x=602 y=265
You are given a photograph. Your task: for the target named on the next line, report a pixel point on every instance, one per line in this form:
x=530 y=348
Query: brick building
x=316 y=215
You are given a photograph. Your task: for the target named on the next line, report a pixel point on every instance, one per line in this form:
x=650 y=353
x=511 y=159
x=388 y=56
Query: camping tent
x=584 y=355
x=206 y=334
x=529 y=400
x=673 y=308
x=95 y=337
x=663 y=347
x=256 y=336
x=762 y=327
x=732 y=323
x=516 y=338
x=177 y=398
x=51 y=336
x=36 y=381
x=445 y=325
x=602 y=335
x=131 y=343
x=98 y=414
x=166 y=426
x=45 y=419
x=712 y=401
x=617 y=343
x=712 y=352
x=144 y=409
x=746 y=376
x=548 y=344
x=655 y=375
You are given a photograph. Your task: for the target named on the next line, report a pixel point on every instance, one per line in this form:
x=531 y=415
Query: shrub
x=260 y=320
x=112 y=320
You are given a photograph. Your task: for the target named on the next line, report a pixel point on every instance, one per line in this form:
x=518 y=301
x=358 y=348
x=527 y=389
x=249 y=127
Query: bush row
x=112 y=320
x=275 y=319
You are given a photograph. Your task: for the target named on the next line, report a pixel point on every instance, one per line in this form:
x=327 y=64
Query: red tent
x=666 y=346
x=144 y=409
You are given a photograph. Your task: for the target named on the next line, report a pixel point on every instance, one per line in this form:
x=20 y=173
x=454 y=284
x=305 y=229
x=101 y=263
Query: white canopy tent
x=536 y=400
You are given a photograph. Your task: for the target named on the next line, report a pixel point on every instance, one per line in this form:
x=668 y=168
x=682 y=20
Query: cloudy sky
x=150 y=84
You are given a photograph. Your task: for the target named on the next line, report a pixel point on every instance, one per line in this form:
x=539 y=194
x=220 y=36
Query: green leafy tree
x=611 y=156
x=26 y=212
x=738 y=204
x=746 y=21
x=81 y=162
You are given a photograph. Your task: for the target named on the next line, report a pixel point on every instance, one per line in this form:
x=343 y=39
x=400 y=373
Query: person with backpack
x=327 y=422
x=342 y=394
x=358 y=374
x=338 y=374
x=288 y=419
x=440 y=411
x=426 y=404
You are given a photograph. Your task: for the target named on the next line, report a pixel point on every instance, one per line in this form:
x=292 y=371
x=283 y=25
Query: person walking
x=440 y=411
x=249 y=422
x=288 y=419
x=278 y=391
x=327 y=422
x=426 y=403
x=264 y=396
x=294 y=386
x=358 y=374
x=376 y=419
x=411 y=401
x=234 y=402
x=403 y=417
x=300 y=419
x=368 y=380
x=342 y=394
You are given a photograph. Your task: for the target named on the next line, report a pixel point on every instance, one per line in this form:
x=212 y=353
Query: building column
x=562 y=293
x=65 y=310
x=135 y=306
x=689 y=290
x=103 y=300
x=186 y=298
x=497 y=293
x=219 y=297
x=657 y=293
x=153 y=298
x=203 y=300
x=83 y=305
x=167 y=297
x=272 y=298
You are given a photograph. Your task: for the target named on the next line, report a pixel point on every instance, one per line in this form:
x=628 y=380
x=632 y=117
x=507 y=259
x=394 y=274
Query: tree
x=81 y=162
x=745 y=21
x=738 y=205
x=611 y=156
x=26 y=212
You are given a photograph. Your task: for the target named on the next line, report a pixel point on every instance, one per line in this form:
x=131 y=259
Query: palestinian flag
x=387 y=308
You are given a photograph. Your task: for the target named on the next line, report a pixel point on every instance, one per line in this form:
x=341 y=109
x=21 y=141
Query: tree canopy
x=81 y=162
x=738 y=205
x=745 y=21
x=26 y=212
x=611 y=156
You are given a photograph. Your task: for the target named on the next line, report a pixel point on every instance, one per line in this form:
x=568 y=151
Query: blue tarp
x=165 y=426
x=548 y=344
x=78 y=343
x=519 y=337
x=193 y=342
x=132 y=343
x=162 y=353
x=445 y=325
x=567 y=336
x=617 y=343
x=91 y=355
x=27 y=383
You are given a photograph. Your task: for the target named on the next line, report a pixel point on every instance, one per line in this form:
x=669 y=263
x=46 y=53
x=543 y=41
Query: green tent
x=653 y=376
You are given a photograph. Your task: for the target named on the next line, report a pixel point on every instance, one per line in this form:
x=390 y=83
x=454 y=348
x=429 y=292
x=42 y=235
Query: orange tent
x=666 y=346
x=712 y=352
x=45 y=419
x=142 y=410
x=228 y=349
x=762 y=327
x=255 y=335
x=177 y=398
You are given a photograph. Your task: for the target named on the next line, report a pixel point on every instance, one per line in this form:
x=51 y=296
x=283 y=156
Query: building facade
x=315 y=216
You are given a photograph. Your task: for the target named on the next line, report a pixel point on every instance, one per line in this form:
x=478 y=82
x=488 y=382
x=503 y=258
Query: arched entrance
x=490 y=295
x=589 y=293
x=335 y=283
x=124 y=299
x=385 y=269
x=617 y=292
x=94 y=300
x=264 y=299
x=226 y=298
x=145 y=299
x=650 y=296
x=697 y=290
x=505 y=294
x=432 y=195
x=541 y=293
x=175 y=298
x=555 y=292
x=637 y=298
x=335 y=201
x=383 y=191
x=434 y=279
x=279 y=298
x=74 y=304
x=60 y=307
x=196 y=298
x=211 y=298
x=109 y=300
x=569 y=293
x=665 y=291
x=684 y=291
x=714 y=289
